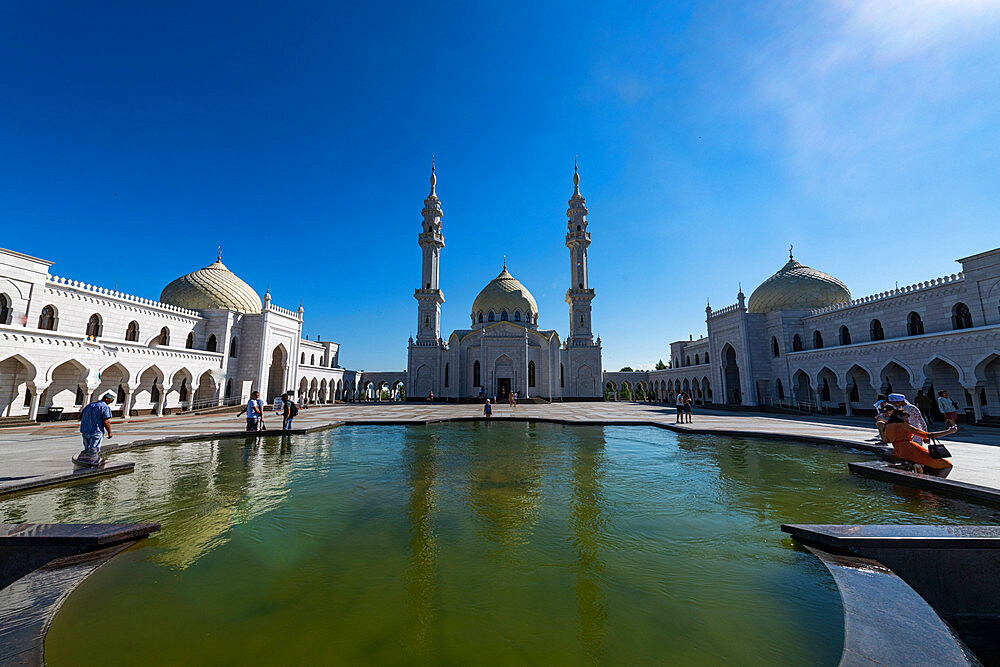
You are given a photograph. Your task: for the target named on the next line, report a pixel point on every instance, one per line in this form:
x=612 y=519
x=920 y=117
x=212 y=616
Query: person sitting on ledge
x=900 y=433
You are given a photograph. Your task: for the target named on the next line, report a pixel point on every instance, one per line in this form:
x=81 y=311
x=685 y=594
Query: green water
x=472 y=544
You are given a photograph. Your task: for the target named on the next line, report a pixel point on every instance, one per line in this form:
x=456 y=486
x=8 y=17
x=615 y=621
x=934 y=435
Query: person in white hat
x=95 y=420
x=899 y=402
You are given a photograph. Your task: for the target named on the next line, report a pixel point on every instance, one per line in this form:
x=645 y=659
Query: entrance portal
x=503 y=388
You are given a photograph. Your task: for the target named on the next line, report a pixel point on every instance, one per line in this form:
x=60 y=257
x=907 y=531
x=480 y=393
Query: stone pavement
x=46 y=449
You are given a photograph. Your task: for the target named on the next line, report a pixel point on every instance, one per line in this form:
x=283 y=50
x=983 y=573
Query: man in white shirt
x=680 y=407
x=254 y=411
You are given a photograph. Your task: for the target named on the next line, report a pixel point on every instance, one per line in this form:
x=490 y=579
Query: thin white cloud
x=862 y=85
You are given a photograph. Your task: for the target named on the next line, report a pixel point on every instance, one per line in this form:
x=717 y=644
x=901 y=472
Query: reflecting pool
x=469 y=543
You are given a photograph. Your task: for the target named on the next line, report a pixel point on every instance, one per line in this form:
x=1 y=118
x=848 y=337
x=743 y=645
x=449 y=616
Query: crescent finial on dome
x=576 y=177
x=434 y=179
x=790 y=246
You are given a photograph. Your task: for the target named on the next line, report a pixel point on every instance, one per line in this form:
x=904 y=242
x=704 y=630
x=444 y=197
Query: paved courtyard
x=46 y=449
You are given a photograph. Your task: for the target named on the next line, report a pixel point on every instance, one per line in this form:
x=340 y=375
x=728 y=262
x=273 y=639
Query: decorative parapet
x=282 y=311
x=909 y=289
x=724 y=311
x=120 y=296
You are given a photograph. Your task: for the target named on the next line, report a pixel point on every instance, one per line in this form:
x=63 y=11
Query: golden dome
x=505 y=292
x=797 y=287
x=211 y=288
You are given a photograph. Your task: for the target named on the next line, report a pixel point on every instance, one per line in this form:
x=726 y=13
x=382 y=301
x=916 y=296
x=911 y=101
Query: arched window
x=796 y=343
x=132 y=331
x=189 y=343
x=817 y=340
x=706 y=357
x=527 y=317
x=154 y=392
x=876 y=330
x=447 y=368
x=961 y=317
x=184 y=389
x=94 y=325
x=914 y=324
x=312 y=360
x=229 y=388
x=855 y=395
x=47 y=320
x=213 y=344
x=531 y=373
x=492 y=317
x=845 y=335
x=503 y=316
x=303 y=360
x=687 y=361
x=517 y=315
x=5 y=309
x=234 y=347
x=164 y=336
x=775 y=351
x=697 y=360
x=825 y=390
x=480 y=316
x=79 y=396
x=562 y=376
x=581 y=319
x=475 y=374
x=781 y=390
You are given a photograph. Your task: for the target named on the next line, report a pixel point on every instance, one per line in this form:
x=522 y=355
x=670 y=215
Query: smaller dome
x=505 y=292
x=214 y=287
x=797 y=287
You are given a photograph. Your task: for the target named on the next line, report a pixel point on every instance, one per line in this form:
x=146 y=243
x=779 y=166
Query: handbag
x=938 y=451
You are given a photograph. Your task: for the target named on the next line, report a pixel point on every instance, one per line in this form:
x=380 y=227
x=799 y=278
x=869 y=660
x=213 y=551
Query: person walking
x=925 y=404
x=679 y=402
x=487 y=410
x=288 y=412
x=95 y=421
x=255 y=412
x=948 y=408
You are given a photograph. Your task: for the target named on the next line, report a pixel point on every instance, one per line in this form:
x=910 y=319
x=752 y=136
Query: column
x=977 y=408
x=847 y=402
x=36 y=397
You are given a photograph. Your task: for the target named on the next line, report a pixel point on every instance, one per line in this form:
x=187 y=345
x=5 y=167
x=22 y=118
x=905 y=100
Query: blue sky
x=299 y=137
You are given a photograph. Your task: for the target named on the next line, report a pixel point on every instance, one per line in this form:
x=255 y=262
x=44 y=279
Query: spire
x=576 y=178
x=434 y=179
x=219 y=258
x=790 y=246
x=505 y=262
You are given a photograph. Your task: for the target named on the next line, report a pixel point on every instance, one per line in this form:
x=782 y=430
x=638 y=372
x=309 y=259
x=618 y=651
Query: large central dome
x=211 y=288
x=797 y=287
x=505 y=295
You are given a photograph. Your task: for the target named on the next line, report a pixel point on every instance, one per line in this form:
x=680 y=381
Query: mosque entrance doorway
x=276 y=374
x=731 y=375
x=503 y=388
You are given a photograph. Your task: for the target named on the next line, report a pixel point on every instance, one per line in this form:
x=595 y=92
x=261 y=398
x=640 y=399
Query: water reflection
x=419 y=460
x=588 y=524
x=505 y=484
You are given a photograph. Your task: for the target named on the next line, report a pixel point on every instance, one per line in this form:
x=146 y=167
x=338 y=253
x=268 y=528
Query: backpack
x=293 y=409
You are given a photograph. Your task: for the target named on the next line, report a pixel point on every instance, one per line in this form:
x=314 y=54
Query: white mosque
x=504 y=350
x=209 y=340
x=801 y=341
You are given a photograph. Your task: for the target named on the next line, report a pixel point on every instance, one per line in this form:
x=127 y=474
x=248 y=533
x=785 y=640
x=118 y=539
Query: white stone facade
x=63 y=343
x=939 y=334
x=504 y=350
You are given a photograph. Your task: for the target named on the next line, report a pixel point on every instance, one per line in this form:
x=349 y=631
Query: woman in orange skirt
x=900 y=433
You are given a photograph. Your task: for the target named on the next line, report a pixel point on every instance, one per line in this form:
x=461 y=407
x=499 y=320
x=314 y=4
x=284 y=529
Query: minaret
x=579 y=295
x=429 y=296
